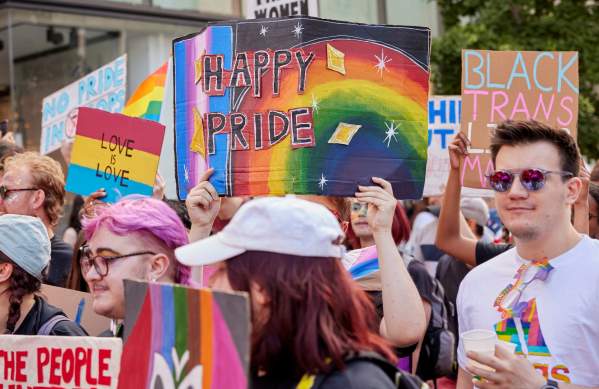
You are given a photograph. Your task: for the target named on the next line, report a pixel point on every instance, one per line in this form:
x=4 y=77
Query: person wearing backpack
x=312 y=327
x=24 y=256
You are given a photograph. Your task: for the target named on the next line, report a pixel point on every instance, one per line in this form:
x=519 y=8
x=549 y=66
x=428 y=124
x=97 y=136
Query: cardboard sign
x=114 y=152
x=517 y=85
x=178 y=337
x=262 y=9
x=443 y=125
x=103 y=89
x=59 y=362
x=77 y=306
x=305 y=106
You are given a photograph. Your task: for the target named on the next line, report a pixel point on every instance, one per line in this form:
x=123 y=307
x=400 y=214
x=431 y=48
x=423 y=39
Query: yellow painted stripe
x=141 y=165
x=138 y=107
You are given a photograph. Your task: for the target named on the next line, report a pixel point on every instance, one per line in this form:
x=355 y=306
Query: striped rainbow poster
x=178 y=337
x=301 y=105
x=115 y=152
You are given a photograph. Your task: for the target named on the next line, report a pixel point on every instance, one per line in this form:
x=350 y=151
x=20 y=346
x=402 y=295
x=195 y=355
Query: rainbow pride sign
x=115 y=152
x=301 y=105
x=178 y=337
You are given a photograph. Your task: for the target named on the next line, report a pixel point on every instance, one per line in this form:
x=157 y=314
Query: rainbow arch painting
x=301 y=105
x=180 y=337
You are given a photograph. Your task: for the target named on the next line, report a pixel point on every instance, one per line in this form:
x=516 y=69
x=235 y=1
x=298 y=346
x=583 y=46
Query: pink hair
x=147 y=216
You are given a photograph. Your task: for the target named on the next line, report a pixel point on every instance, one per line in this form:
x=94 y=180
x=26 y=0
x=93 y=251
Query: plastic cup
x=509 y=345
x=481 y=341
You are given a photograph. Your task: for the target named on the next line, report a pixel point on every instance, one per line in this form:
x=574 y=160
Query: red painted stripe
x=147 y=135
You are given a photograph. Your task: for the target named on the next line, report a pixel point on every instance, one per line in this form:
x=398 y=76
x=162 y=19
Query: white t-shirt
x=561 y=322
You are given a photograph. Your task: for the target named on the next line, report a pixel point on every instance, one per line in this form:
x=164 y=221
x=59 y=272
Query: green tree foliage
x=551 y=25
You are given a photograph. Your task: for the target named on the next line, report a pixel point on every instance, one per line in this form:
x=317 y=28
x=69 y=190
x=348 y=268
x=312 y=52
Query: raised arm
x=403 y=322
x=451 y=237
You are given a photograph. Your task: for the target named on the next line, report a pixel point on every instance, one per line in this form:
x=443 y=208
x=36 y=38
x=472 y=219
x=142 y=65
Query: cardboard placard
x=179 y=337
x=59 y=362
x=443 y=125
x=518 y=85
x=301 y=105
x=103 y=89
x=115 y=152
x=77 y=306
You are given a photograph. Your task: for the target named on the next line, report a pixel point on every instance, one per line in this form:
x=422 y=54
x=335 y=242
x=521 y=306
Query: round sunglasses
x=531 y=179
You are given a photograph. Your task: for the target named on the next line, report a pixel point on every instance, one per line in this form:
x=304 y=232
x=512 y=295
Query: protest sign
x=59 y=362
x=77 y=306
x=305 y=106
x=261 y=9
x=517 y=85
x=178 y=337
x=115 y=152
x=443 y=125
x=103 y=89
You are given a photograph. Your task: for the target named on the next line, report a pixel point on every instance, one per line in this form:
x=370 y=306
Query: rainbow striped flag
x=146 y=101
x=178 y=337
x=115 y=152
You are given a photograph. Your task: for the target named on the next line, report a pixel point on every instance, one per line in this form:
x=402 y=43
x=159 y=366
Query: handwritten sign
x=103 y=89
x=303 y=106
x=178 y=337
x=261 y=9
x=516 y=85
x=59 y=362
x=115 y=152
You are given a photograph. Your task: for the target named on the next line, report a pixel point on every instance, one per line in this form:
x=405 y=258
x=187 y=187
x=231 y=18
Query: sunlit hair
x=317 y=315
x=149 y=217
x=47 y=175
x=400 y=230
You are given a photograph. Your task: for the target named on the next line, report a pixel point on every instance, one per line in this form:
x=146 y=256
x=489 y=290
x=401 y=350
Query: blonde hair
x=47 y=175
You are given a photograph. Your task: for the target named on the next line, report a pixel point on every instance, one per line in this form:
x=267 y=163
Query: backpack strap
x=49 y=325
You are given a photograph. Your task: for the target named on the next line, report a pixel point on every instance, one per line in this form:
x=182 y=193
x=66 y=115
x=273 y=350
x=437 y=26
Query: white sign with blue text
x=103 y=89
x=443 y=124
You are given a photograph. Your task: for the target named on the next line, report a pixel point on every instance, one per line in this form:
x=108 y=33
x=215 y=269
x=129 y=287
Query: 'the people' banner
x=518 y=85
x=301 y=105
x=59 y=362
x=103 y=89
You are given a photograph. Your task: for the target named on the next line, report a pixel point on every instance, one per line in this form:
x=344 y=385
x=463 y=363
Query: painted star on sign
x=391 y=132
x=381 y=65
x=314 y=104
x=323 y=181
x=298 y=29
x=263 y=30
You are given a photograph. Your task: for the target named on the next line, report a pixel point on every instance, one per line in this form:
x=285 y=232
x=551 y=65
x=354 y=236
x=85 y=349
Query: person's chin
x=102 y=305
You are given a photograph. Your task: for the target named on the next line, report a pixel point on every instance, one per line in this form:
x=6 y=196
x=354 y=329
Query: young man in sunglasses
x=540 y=295
x=33 y=185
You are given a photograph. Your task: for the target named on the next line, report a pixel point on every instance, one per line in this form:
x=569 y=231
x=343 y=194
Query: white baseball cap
x=284 y=225
x=475 y=208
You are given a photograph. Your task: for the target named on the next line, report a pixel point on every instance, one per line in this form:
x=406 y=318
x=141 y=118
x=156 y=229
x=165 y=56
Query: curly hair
x=47 y=175
x=20 y=285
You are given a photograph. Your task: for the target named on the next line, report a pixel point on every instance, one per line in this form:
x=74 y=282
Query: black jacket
x=40 y=313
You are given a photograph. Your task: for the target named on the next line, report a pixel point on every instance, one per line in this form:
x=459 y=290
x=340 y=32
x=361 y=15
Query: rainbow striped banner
x=178 y=337
x=301 y=105
x=146 y=101
x=114 y=152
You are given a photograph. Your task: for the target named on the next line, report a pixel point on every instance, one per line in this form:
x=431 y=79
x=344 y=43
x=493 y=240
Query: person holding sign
x=541 y=295
x=308 y=317
x=24 y=256
x=134 y=238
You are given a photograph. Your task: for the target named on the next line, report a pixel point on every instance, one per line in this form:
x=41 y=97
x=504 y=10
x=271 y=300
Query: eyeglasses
x=100 y=262
x=4 y=191
x=531 y=179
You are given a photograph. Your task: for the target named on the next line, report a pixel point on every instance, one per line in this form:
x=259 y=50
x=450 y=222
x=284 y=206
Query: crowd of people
x=436 y=270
